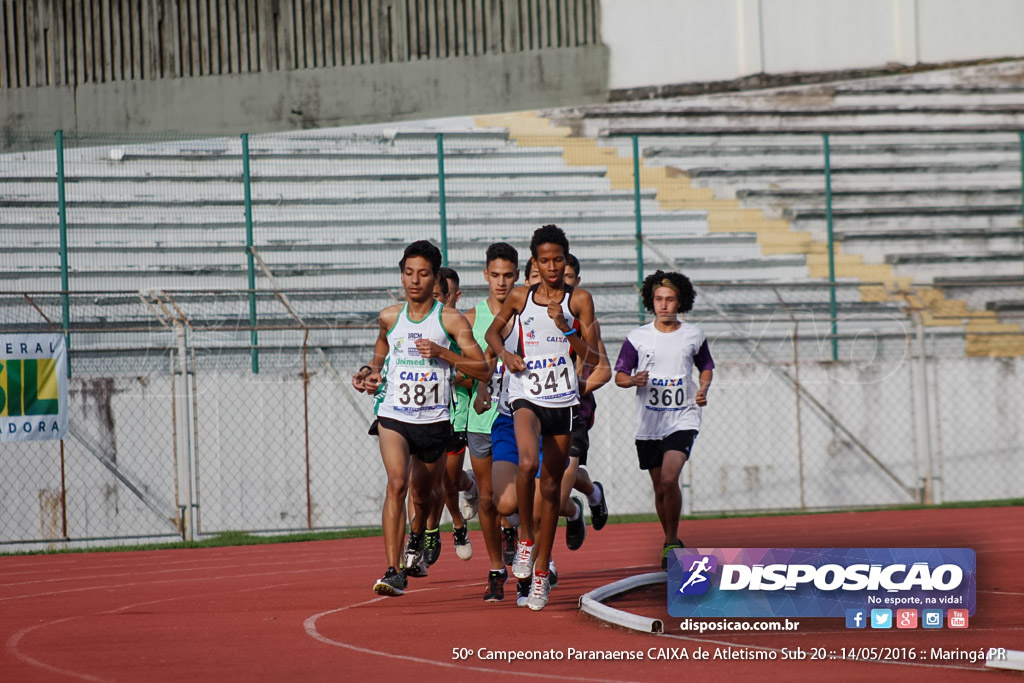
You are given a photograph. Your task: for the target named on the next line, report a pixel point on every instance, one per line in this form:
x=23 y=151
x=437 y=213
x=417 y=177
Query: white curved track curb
x=1014 y=661
x=591 y=603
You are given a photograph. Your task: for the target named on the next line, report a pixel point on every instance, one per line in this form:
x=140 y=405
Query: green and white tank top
x=481 y=424
x=416 y=389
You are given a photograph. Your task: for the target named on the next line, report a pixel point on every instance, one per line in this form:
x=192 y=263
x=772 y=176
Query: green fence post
x=442 y=208
x=831 y=250
x=62 y=214
x=1021 y=136
x=638 y=213
x=253 y=336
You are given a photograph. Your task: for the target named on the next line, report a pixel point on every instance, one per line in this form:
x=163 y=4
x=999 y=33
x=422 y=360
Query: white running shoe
x=522 y=568
x=538 y=593
x=463 y=548
x=552 y=574
x=469 y=501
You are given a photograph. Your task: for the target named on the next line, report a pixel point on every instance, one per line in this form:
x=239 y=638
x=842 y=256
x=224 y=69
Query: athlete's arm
x=584 y=343
x=471 y=359
x=705 y=382
x=625 y=365
x=370 y=380
x=600 y=373
x=495 y=343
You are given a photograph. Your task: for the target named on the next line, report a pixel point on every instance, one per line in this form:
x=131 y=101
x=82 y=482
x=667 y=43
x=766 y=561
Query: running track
x=305 y=611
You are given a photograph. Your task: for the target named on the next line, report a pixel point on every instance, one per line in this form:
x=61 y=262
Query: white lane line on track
x=311 y=630
x=14 y=640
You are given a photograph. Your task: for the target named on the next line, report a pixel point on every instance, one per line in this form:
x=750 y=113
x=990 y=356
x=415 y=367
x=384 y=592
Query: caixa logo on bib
x=817 y=582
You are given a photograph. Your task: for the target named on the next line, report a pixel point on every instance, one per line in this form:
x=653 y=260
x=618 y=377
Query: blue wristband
x=572 y=331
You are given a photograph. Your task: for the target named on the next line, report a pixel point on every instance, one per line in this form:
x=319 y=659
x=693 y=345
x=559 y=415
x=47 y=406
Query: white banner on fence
x=33 y=387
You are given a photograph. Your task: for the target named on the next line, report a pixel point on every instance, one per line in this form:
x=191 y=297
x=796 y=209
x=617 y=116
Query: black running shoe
x=599 y=512
x=510 y=539
x=414 y=549
x=392 y=583
x=523 y=591
x=496 y=586
x=666 y=549
x=552 y=574
x=431 y=546
x=576 y=531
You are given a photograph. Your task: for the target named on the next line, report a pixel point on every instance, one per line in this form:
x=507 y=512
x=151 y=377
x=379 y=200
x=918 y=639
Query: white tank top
x=549 y=379
x=416 y=389
x=512 y=346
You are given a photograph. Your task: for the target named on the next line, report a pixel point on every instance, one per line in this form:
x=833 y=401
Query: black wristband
x=366 y=367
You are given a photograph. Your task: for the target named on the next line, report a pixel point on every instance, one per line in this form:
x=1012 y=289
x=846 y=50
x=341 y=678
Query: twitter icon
x=881 y=618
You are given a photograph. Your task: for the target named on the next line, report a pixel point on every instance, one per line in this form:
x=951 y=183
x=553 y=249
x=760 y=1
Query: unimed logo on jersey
x=33 y=387
x=817 y=582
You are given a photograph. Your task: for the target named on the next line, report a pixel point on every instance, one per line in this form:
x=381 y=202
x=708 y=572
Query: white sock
x=513 y=520
x=576 y=512
x=595 y=497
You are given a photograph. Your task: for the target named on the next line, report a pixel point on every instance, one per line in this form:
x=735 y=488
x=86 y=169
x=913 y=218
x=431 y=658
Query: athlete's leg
x=659 y=503
x=394 y=451
x=426 y=481
x=527 y=430
x=583 y=484
x=455 y=480
x=488 y=512
x=565 y=506
x=556 y=454
x=671 y=496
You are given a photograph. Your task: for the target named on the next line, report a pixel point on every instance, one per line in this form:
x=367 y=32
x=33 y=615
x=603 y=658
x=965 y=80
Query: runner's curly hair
x=549 y=234
x=676 y=281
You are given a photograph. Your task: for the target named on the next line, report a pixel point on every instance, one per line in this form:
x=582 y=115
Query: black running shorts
x=426 y=441
x=553 y=421
x=651 y=453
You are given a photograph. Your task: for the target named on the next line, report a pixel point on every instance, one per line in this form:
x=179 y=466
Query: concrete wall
x=288 y=100
x=662 y=42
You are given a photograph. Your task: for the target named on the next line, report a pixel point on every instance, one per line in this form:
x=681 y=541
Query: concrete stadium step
x=869 y=198
x=877 y=246
x=925 y=267
x=355 y=231
x=726 y=187
x=203 y=276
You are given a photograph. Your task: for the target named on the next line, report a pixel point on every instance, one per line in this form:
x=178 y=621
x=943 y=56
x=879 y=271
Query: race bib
x=419 y=390
x=549 y=378
x=666 y=393
x=494 y=382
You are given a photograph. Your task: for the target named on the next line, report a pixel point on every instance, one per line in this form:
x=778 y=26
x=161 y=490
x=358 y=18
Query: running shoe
x=538 y=591
x=431 y=545
x=510 y=539
x=522 y=567
x=496 y=585
x=599 y=512
x=392 y=583
x=576 y=530
x=669 y=547
x=463 y=548
x=418 y=570
x=413 y=549
x=469 y=502
x=522 y=592
x=552 y=574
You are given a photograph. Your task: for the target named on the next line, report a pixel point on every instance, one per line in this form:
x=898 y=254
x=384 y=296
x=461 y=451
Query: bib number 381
x=419 y=394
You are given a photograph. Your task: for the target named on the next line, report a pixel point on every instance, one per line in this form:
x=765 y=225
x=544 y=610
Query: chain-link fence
x=217 y=294
x=170 y=426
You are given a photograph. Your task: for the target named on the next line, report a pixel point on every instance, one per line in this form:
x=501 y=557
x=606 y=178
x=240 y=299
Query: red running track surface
x=305 y=611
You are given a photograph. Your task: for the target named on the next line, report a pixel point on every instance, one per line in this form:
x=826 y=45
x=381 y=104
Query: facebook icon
x=856 y=618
